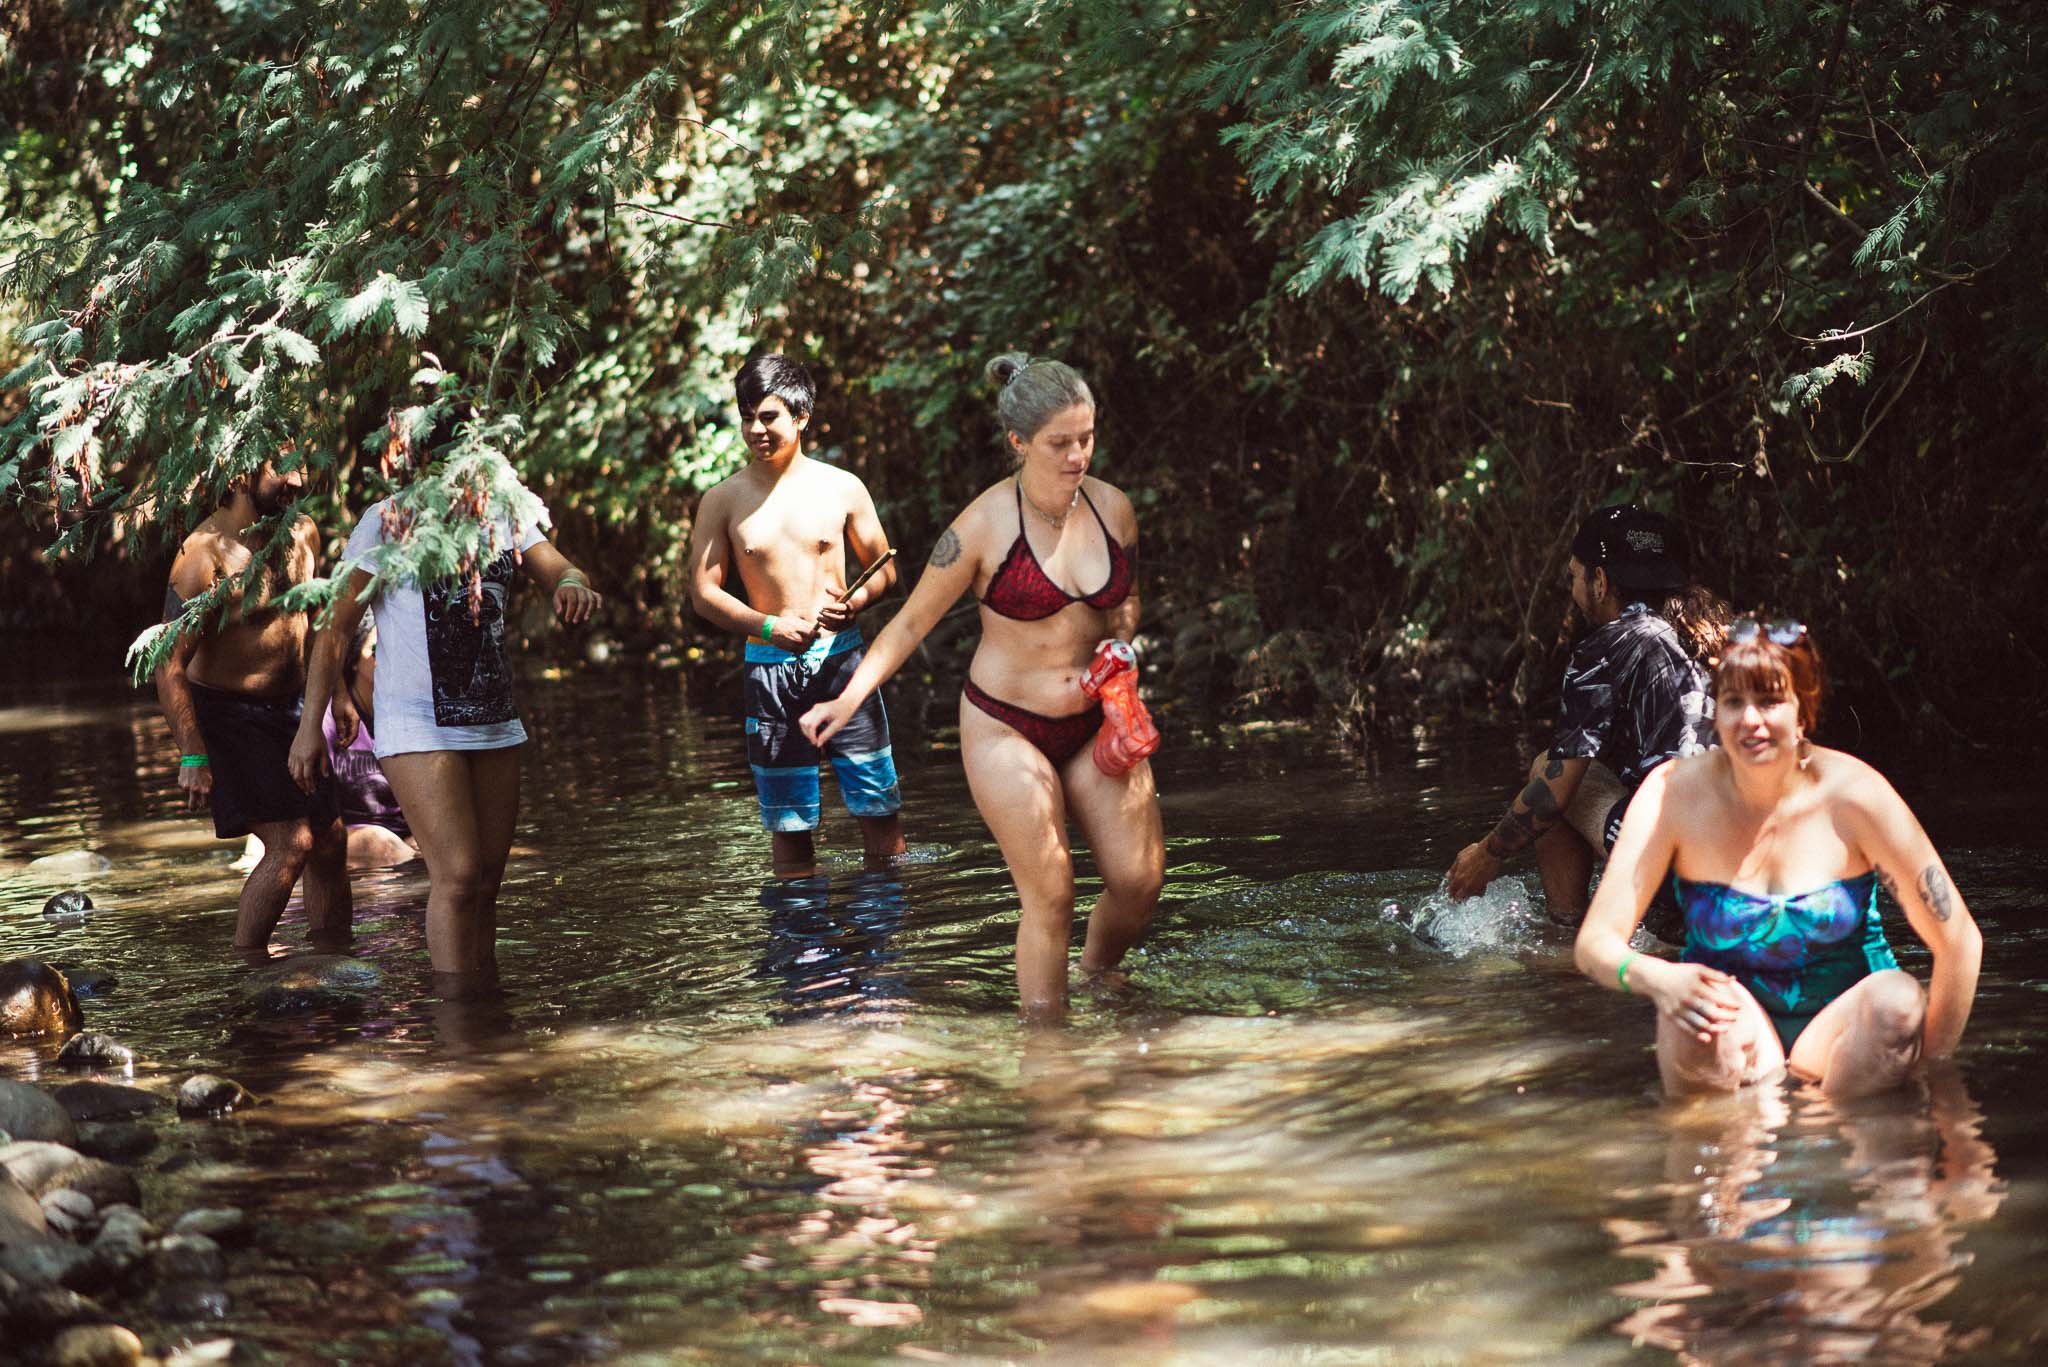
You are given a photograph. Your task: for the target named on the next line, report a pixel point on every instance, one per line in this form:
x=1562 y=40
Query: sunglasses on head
x=1783 y=632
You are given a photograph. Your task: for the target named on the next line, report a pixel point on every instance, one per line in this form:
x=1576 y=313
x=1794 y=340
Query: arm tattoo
x=1520 y=829
x=1554 y=769
x=1936 y=892
x=948 y=549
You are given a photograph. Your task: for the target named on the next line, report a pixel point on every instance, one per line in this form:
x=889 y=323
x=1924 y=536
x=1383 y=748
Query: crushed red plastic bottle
x=1127 y=735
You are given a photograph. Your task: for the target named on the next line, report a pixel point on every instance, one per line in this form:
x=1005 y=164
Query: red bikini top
x=1021 y=590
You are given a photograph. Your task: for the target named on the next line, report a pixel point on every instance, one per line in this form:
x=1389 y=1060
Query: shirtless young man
x=231 y=695
x=794 y=532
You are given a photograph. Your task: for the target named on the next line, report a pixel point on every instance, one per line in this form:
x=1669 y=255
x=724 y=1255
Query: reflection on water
x=1799 y=1232
x=1334 y=1118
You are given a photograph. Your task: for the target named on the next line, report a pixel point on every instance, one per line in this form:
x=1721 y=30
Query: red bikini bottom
x=1059 y=739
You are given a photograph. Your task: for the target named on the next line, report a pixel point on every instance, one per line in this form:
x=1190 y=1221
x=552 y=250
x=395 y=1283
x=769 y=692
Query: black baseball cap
x=1635 y=546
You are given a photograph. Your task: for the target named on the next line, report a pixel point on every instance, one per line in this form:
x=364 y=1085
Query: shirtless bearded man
x=231 y=694
x=793 y=531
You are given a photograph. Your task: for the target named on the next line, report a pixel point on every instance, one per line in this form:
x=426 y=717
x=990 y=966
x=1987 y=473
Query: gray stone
x=68 y=1211
x=30 y=1113
x=219 y=1222
x=205 y=1094
x=48 y=1308
x=51 y=1262
x=104 y=1100
x=95 y=1050
x=37 y=1163
x=69 y=864
x=42 y=1167
x=95 y=1345
x=187 y=1258
x=192 y=1301
x=123 y=1239
x=68 y=906
x=309 y=982
x=21 y=1214
x=117 y=1141
x=35 y=999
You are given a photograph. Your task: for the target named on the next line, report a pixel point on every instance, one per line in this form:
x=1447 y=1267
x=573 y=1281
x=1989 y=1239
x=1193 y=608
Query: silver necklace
x=1056 y=522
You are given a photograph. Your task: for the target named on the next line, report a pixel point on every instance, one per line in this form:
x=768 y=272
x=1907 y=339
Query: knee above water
x=1141 y=888
x=1896 y=1002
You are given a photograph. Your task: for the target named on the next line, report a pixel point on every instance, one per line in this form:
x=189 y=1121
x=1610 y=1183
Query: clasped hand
x=1701 y=1001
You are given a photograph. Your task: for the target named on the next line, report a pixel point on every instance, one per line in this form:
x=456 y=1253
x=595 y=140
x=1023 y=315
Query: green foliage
x=1378 y=295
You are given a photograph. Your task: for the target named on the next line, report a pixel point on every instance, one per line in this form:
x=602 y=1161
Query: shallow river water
x=715 y=1120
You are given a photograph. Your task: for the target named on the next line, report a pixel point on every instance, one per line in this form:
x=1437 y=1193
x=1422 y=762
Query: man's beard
x=270 y=502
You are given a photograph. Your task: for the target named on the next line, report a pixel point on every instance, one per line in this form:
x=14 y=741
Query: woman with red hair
x=1776 y=848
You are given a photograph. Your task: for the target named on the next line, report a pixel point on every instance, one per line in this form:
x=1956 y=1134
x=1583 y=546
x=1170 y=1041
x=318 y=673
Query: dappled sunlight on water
x=1333 y=1118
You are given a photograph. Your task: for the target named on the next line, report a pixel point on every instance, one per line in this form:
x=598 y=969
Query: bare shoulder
x=1854 y=784
x=1687 y=779
x=1115 y=506
x=715 y=503
x=843 y=482
x=199 y=559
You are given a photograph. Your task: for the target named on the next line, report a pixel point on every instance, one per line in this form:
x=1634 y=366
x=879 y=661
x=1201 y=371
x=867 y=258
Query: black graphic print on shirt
x=466 y=653
x=1633 y=698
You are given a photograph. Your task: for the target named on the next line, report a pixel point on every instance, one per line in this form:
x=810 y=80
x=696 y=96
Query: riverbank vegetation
x=1378 y=299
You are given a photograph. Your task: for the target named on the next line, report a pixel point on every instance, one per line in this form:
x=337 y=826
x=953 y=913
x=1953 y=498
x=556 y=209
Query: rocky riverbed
x=94 y=1272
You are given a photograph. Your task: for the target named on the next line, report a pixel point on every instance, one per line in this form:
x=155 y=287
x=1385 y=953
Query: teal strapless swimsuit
x=1795 y=953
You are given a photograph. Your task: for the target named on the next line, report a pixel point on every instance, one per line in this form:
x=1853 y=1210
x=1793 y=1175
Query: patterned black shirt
x=1633 y=698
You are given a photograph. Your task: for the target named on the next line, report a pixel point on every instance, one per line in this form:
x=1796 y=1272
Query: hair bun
x=1004 y=368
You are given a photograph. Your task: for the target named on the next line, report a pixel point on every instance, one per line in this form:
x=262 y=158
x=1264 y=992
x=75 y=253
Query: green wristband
x=1621 y=972
x=768 y=629
x=191 y=761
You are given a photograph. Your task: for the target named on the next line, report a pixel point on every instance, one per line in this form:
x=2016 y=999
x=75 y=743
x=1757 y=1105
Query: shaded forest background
x=1378 y=300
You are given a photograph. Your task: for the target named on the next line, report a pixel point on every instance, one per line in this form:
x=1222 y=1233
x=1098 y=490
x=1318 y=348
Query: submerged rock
x=69 y=864
x=309 y=982
x=187 y=1258
x=49 y=1308
x=117 y=1141
x=104 y=1100
x=95 y=1345
x=123 y=1239
x=204 y=1094
x=68 y=906
x=35 y=999
x=218 y=1222
x=94 y=1050
x=192 y=1301
x=49 y=1262
x=30 y=1113
x=91 y=982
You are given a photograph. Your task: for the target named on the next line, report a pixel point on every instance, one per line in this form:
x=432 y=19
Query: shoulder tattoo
x=947 y=551
x=1936 y=892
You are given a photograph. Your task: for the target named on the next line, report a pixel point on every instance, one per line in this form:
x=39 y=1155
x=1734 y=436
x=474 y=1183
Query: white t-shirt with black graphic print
x=444 y=681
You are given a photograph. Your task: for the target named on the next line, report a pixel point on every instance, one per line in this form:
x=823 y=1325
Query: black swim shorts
x=248 y=740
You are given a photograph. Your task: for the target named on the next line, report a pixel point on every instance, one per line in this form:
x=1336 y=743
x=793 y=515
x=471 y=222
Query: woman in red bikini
x=1025 y=726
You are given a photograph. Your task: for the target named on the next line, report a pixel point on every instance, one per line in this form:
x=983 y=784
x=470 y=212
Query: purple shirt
x=366 y=796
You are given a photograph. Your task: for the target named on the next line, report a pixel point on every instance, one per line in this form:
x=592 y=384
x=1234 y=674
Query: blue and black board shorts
x=248 y=740
x=780 y=688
